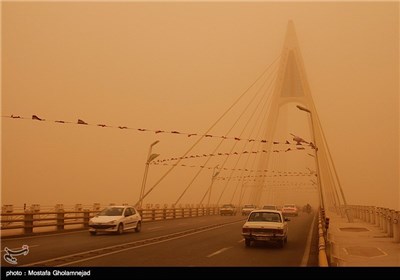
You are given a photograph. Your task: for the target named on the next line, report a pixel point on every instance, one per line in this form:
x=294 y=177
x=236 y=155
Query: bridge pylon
x=291 y=86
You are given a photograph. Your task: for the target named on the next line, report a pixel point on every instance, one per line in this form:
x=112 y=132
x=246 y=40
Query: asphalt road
x=215 y=246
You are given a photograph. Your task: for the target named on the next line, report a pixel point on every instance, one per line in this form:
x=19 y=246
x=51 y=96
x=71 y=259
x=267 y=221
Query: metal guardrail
x=323 y=225
x=59 y=220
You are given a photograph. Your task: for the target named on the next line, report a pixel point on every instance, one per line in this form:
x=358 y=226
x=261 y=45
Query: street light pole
x=150 y=157
x=321 y=196
x=215 y=174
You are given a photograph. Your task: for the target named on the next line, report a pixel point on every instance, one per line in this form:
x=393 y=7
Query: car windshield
x=112 y=211
x=227 y=205
x=269 y=207
x=289 y=206
x=249 y=206
x=265 y=217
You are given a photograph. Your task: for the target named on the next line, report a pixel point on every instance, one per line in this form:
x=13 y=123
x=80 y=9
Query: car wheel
x=281 y=243
x=120 y=228
x=92 y=232
x=247 y=242
x=138 y=227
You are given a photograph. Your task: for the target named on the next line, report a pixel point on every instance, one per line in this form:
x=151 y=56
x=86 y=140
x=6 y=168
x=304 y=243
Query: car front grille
x=266 y=230
x=102 y=226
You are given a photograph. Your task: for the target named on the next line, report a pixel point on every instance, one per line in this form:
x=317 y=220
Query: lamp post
x=321 y=196
x=150 y=157
x=349 y=217
x=214 y=175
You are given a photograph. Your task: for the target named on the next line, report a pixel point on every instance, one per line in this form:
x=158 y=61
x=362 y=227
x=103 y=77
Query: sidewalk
x=360 y=244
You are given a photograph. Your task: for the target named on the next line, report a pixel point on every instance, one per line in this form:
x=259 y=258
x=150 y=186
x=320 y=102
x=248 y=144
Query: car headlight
x=110 y=222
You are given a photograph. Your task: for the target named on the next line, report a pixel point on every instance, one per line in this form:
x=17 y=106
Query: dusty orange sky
x=179 y=66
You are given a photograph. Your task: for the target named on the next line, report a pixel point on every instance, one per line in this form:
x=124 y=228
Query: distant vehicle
x=227 y=209
x=270 y=207
x=307 y=208
x=265 y=225
x=246 y=210
x=290 y=210
x=116 y=219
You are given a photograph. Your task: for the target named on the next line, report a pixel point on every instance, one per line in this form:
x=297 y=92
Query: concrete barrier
x=377 y=217
x=372 y=214
x=396 y=226
x=387 y=220
x=391 y=214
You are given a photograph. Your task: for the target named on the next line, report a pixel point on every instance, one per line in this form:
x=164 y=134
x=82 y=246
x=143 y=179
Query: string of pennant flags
x=280 y=173
x=260 y=176
x=156 y=131
x=272 y=183
x=227 y=154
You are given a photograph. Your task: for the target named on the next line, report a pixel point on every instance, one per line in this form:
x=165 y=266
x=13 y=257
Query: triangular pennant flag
x=34 y=117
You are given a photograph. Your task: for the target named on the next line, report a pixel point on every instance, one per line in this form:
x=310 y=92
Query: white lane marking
x=30 y=246
x=122 y=250
x=218 y=252
x=150 y=228
x=306 y=254
x=241 y=240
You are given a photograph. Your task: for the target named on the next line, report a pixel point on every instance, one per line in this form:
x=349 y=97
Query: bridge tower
x=291 y=86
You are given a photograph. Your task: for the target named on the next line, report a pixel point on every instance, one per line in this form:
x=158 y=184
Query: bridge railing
x=388 y=220
x=176 y=213
x=385 y=219
x=323 y=225
x=33 y=221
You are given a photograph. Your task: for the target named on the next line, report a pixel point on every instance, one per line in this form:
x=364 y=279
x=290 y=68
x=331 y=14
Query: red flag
x=34 y=117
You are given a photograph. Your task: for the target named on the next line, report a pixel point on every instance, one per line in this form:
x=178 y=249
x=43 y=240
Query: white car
x=265 y=225
x=246 y=210
x=290 y=210
x=227 y=209
x=116 y=219
x=270 y=207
